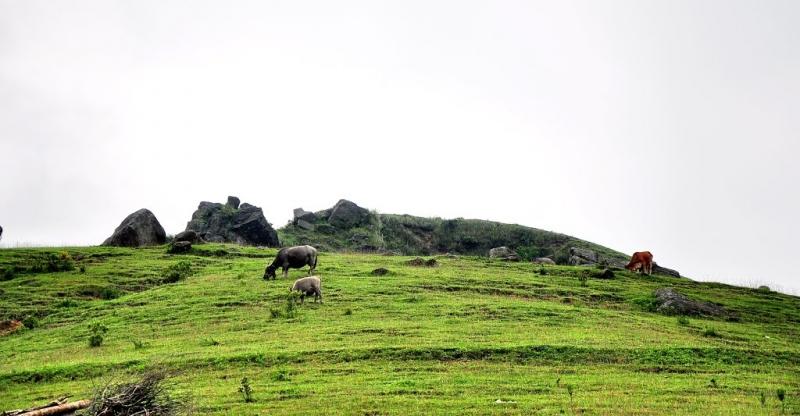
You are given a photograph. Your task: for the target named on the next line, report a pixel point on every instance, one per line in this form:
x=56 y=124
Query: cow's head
x=269 y=272
x=634 y=266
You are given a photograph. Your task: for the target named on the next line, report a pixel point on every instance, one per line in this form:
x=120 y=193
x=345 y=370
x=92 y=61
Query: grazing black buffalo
x=294 y=258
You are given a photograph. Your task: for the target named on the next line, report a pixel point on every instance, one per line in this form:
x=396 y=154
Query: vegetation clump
x=177 y=272
x=246 y=390
x=96 y=333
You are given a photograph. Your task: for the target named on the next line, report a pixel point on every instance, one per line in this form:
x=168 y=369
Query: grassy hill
x=411 y=235
x=470 y=336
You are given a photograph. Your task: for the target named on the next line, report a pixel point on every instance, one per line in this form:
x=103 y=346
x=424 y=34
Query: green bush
x=682 y=320
x=246 y=390
x=30 y=322
x=177 y=271
x=109 y=293
x=7 y=274
x=96 y=333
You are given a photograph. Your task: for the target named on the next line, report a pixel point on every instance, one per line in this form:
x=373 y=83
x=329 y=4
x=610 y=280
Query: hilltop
x=468 y=336
x=347 y=226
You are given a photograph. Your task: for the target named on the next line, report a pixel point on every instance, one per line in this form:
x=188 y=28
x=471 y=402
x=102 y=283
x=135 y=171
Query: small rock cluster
x=503 y=253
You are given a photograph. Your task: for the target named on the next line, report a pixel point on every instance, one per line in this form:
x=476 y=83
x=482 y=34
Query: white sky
x=669 y=126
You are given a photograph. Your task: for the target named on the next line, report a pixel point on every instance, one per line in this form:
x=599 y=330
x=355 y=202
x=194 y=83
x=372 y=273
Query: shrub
x=137 y=344
x=289 y=309
x=246 y=390
x=583 y=278
x=60 y=262
x=348 y=312
x=96 y=331
x=711 y=333
x=281 y=375
x=30 y=322
x=177 y=271
x=109 y=293
x=7 y=274
x=763 y=399
x=82 y=268
x=781 y=395
x=682 y=320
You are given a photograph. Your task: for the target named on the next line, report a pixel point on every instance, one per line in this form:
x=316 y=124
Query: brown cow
x=641 y=261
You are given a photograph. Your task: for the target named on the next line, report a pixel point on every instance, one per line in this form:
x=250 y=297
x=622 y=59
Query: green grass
x=471 y=336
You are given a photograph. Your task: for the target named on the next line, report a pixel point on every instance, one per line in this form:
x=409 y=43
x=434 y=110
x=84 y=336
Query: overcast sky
x=669 y=126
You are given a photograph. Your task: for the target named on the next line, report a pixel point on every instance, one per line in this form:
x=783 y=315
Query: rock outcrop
x=301 y=214
x=663 y=270
x=233 y=223
x=503 y=253
x=544 y=260
x=346 y=214
x=188 y=236
x=671 y=302
x=138 y=229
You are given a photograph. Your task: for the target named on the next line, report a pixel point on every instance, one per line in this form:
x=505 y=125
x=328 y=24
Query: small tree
x=246 y=390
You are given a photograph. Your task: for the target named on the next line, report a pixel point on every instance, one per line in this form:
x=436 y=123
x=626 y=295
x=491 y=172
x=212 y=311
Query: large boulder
x=223 y=223
x=544 y=260
x=346 y=214
x=503 y=253
x=138 y=229
x=307 y=216
x=582 y=256
x=188 y=236
x=671 y=302
x=304 y=224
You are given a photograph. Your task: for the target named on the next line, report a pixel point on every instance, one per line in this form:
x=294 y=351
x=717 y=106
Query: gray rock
x=663 y=270
x=605 y=274
x=222 y=223
x=324 y=214
x=178 y=247
x=188 y=235
x=346 y=214
x=587 y=256
x=544 y=260
x=301 y=214
x=671 y=302
x=579 y=261
x=233 y=202
x=503 y=253
x=138 y=229
x=305 y=224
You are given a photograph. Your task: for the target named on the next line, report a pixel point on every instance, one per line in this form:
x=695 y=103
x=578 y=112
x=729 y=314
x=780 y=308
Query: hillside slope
x=470 y=336
x=364 y=230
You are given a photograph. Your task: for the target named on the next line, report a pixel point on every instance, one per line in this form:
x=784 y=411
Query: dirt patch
x=9 y=327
